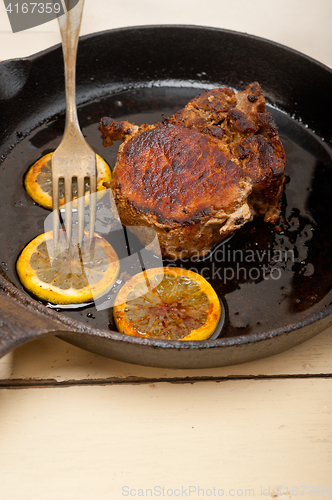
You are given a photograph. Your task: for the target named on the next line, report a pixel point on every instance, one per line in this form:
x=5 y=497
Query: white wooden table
x=77 y=426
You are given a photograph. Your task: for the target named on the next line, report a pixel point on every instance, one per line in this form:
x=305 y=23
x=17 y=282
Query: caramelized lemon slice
x=38 y=182
x=167 y=303
x=70 y=276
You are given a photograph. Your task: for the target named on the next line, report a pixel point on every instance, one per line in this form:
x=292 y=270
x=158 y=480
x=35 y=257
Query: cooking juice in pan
x=265 y=277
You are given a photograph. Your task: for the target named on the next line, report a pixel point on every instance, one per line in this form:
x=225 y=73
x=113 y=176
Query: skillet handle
x=20 y=324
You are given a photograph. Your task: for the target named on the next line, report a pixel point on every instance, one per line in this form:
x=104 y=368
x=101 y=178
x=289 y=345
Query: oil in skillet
x=288 y=258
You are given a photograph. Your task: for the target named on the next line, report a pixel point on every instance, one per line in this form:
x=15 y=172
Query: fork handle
x=70 y=24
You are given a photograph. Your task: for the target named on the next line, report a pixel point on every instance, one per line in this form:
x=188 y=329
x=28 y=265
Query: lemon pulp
x=167 y=303
x=70 y=275
x=38 y=182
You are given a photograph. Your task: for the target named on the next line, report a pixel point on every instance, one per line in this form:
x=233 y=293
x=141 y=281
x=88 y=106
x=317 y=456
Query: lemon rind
x=51 y=294
x=201 y=333
x=43 y=199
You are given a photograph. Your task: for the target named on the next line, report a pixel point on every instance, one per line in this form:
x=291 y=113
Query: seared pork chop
x=201 y=174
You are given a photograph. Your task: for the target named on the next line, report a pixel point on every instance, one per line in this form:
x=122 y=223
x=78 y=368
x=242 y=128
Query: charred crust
x=266 y=120
x=239 y=222
x=254 y=88
x=214 y=131
x=241 y=122
x=240 y=151
x=106 y=122
x=217 y=162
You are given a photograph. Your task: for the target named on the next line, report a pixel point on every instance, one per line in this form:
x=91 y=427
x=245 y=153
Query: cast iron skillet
x=139 y=73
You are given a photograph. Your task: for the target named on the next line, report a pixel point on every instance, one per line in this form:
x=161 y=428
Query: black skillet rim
x=80 y=327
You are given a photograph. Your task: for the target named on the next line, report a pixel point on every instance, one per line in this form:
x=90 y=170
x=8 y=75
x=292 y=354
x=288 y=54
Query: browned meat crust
x=199 y=175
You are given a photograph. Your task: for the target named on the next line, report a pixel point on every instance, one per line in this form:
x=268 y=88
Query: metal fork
x=73 y=158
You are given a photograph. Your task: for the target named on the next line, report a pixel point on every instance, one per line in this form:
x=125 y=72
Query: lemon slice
x=71 y=275
x=167 y=303
x=38 y=182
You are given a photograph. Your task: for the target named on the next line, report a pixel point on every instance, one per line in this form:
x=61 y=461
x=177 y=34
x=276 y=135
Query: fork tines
x=62 y=170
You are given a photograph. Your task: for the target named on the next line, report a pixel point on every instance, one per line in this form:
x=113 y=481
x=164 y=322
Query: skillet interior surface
x=266 y=279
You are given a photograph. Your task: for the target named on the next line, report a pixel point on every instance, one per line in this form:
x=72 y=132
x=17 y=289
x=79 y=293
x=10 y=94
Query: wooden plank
x=56 y=361
x=84 y=443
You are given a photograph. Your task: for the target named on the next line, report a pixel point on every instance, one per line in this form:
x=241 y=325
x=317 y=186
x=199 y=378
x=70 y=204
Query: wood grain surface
x=86 y=443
